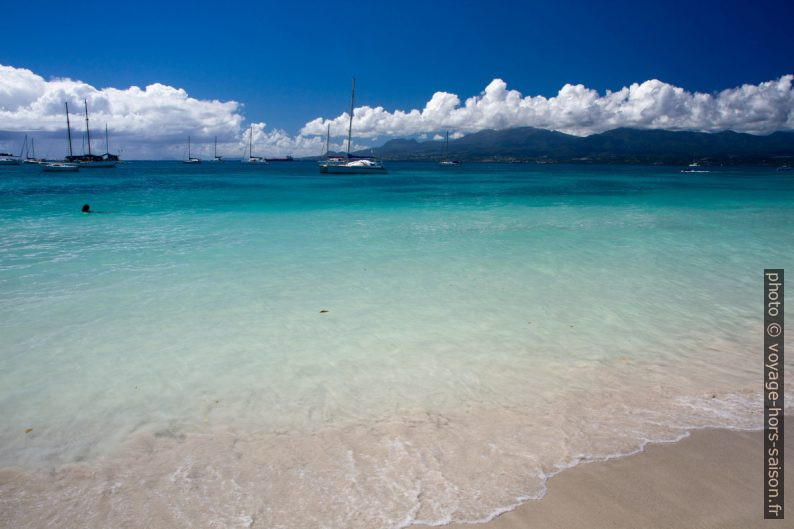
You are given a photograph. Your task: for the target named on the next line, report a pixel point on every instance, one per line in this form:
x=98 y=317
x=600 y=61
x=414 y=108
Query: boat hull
x=345 y=169
x=8 y=161
x=97 y=165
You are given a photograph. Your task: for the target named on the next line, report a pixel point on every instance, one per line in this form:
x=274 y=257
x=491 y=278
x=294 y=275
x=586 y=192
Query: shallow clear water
x=486 y=326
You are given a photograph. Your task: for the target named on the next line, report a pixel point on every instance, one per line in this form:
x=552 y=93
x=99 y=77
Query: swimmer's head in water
x=86 y=208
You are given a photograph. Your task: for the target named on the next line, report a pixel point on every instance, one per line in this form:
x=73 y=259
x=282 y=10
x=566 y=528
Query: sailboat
x=30 y=156
x=446 y=161
x=66 y=166
x=351 y=164
x=251 y=157
x=190 y=159
x=9 y=159
x=329 y=160
x=216 y=158
x=107 y=156
x=89 y=160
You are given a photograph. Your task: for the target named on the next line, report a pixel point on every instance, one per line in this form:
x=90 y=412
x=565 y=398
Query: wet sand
x=711 y=479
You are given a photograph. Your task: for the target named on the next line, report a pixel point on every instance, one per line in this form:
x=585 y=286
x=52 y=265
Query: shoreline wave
x=395 y=475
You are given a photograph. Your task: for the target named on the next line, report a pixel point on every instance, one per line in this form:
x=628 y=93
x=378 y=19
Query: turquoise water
x=486 y=326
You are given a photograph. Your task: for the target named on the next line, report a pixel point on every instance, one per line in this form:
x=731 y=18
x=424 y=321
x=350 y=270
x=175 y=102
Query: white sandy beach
x=710 y=480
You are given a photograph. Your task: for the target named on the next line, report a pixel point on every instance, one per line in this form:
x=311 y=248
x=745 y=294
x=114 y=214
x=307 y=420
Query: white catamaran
x=351 y=164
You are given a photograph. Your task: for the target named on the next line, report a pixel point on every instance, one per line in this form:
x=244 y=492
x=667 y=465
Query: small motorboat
x=694 y=167
x=60 y=167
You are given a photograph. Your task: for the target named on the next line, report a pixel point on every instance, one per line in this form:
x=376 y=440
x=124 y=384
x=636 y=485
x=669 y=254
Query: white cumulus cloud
x=150 y=122
x=154 y=121
x=576 y=109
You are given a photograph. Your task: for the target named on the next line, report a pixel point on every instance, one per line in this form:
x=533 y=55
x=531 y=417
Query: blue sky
x=289 y=63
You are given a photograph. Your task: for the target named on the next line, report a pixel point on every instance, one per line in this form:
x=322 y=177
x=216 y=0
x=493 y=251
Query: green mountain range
x=615 y=146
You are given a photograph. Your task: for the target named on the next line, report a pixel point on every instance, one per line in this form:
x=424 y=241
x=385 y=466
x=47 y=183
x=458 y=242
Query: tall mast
x=328 y=140
x=33 y=147
x=215 y=150
x=188 y=148
x=350 y=127
x=107 y=143
x=87 y=132
x=251 y=142
x=446 y=149
x=68 y=129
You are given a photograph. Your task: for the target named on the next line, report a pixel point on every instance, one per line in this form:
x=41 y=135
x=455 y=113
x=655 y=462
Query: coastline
x=709 y=479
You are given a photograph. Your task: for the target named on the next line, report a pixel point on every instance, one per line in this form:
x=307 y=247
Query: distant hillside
x=614 y=146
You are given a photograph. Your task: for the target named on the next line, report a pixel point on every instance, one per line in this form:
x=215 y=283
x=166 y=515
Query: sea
x=242 y=346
